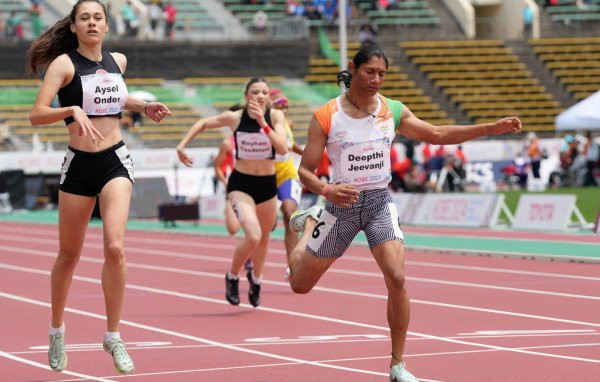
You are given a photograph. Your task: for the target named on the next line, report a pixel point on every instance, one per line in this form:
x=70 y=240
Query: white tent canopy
x=584 y=115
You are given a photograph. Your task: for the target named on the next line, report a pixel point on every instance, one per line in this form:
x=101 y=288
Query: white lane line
x=199 y=244
x=322 y=289
x=85 y=377
x=338 y=271
x=283 y=312
x=183 y=335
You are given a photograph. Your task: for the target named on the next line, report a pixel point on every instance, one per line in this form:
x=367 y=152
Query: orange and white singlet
x=359 y=149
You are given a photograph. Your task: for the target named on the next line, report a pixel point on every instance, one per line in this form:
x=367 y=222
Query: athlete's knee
x=67 y=259
x=114 y=253
x=253 y=238
x=300 y=286
x=396 y=278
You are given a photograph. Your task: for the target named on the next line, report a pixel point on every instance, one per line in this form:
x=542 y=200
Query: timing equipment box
x=170 y=212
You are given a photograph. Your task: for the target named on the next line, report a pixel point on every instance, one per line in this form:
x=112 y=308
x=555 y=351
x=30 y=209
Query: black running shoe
x=249 y=265
x=232 y=292
x=254 y=292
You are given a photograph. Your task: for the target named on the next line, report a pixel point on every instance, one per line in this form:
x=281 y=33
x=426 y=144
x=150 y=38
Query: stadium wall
x=180 y=59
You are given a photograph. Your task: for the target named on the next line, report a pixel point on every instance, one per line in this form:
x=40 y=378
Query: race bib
x=253 y=146
x=365 y=162
x=103 y=93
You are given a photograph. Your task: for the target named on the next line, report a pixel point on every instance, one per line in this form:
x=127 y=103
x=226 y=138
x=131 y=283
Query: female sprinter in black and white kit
x=259 y=132
x=358 y=129
x=92 y=94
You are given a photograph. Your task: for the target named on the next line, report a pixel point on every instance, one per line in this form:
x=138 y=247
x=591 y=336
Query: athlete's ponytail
x=344 y=77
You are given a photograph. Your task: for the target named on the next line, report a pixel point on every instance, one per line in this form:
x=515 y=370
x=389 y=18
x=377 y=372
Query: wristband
x=266 y=129
x=145 y=107
x=326 y=190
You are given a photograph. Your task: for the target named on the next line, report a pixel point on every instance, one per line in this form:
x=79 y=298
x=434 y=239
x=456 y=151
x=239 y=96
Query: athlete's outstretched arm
x=415 y=128
x=227 y=118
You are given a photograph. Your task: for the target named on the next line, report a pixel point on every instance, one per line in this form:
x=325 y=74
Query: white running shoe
x=298 y=218
x=116 y=348
x=286 y=274
x=398 y=373
x=57 y=357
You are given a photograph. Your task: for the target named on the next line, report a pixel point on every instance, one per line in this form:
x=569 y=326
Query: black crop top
x=250 y=141
x=101 y=82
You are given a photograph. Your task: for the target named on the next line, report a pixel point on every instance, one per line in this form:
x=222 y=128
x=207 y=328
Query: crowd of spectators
x=326 y=10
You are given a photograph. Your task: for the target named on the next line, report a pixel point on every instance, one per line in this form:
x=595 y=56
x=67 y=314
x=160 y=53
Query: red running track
x=473 y=318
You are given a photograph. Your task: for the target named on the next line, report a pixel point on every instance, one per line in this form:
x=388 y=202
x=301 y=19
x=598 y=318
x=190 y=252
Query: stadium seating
x=486 y=80
x=274 y=9
x=192 y=16
x=574 y=61
x=405 y=14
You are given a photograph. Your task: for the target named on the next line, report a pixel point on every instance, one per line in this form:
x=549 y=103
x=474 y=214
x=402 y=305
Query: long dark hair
x=55 y=41
x=365 y=53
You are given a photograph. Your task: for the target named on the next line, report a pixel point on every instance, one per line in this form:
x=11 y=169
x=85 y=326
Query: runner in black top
x=92 y=93
x=259 y=133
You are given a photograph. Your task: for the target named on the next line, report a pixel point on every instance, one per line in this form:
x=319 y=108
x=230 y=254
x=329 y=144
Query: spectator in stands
x=311 y=12
x=35 y=16
x=129 y=19
x=259 y=132
x=367 y=34
x=592 y=156
x=170 y=15
x=154 y=15
x=2 y=24
x=259 y=22
x=358 y=129
x=329 y=11
x=527 y=21
x=97 y=161
x=14 y=26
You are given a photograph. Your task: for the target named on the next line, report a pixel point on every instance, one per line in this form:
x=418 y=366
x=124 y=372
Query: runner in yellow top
x=289 y=190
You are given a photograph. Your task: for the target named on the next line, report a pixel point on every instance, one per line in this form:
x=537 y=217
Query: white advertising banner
x=406 y=204
x=187 y=182
x=546 y=212
x=459 y=210
x=49 y=162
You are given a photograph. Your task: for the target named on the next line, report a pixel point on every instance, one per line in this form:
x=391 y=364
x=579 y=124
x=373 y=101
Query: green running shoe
x=116 y=348
x=298 y=218
x=57 y=357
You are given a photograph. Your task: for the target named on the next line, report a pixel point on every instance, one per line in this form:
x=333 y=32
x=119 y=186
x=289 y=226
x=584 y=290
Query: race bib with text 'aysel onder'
x=103 y=93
